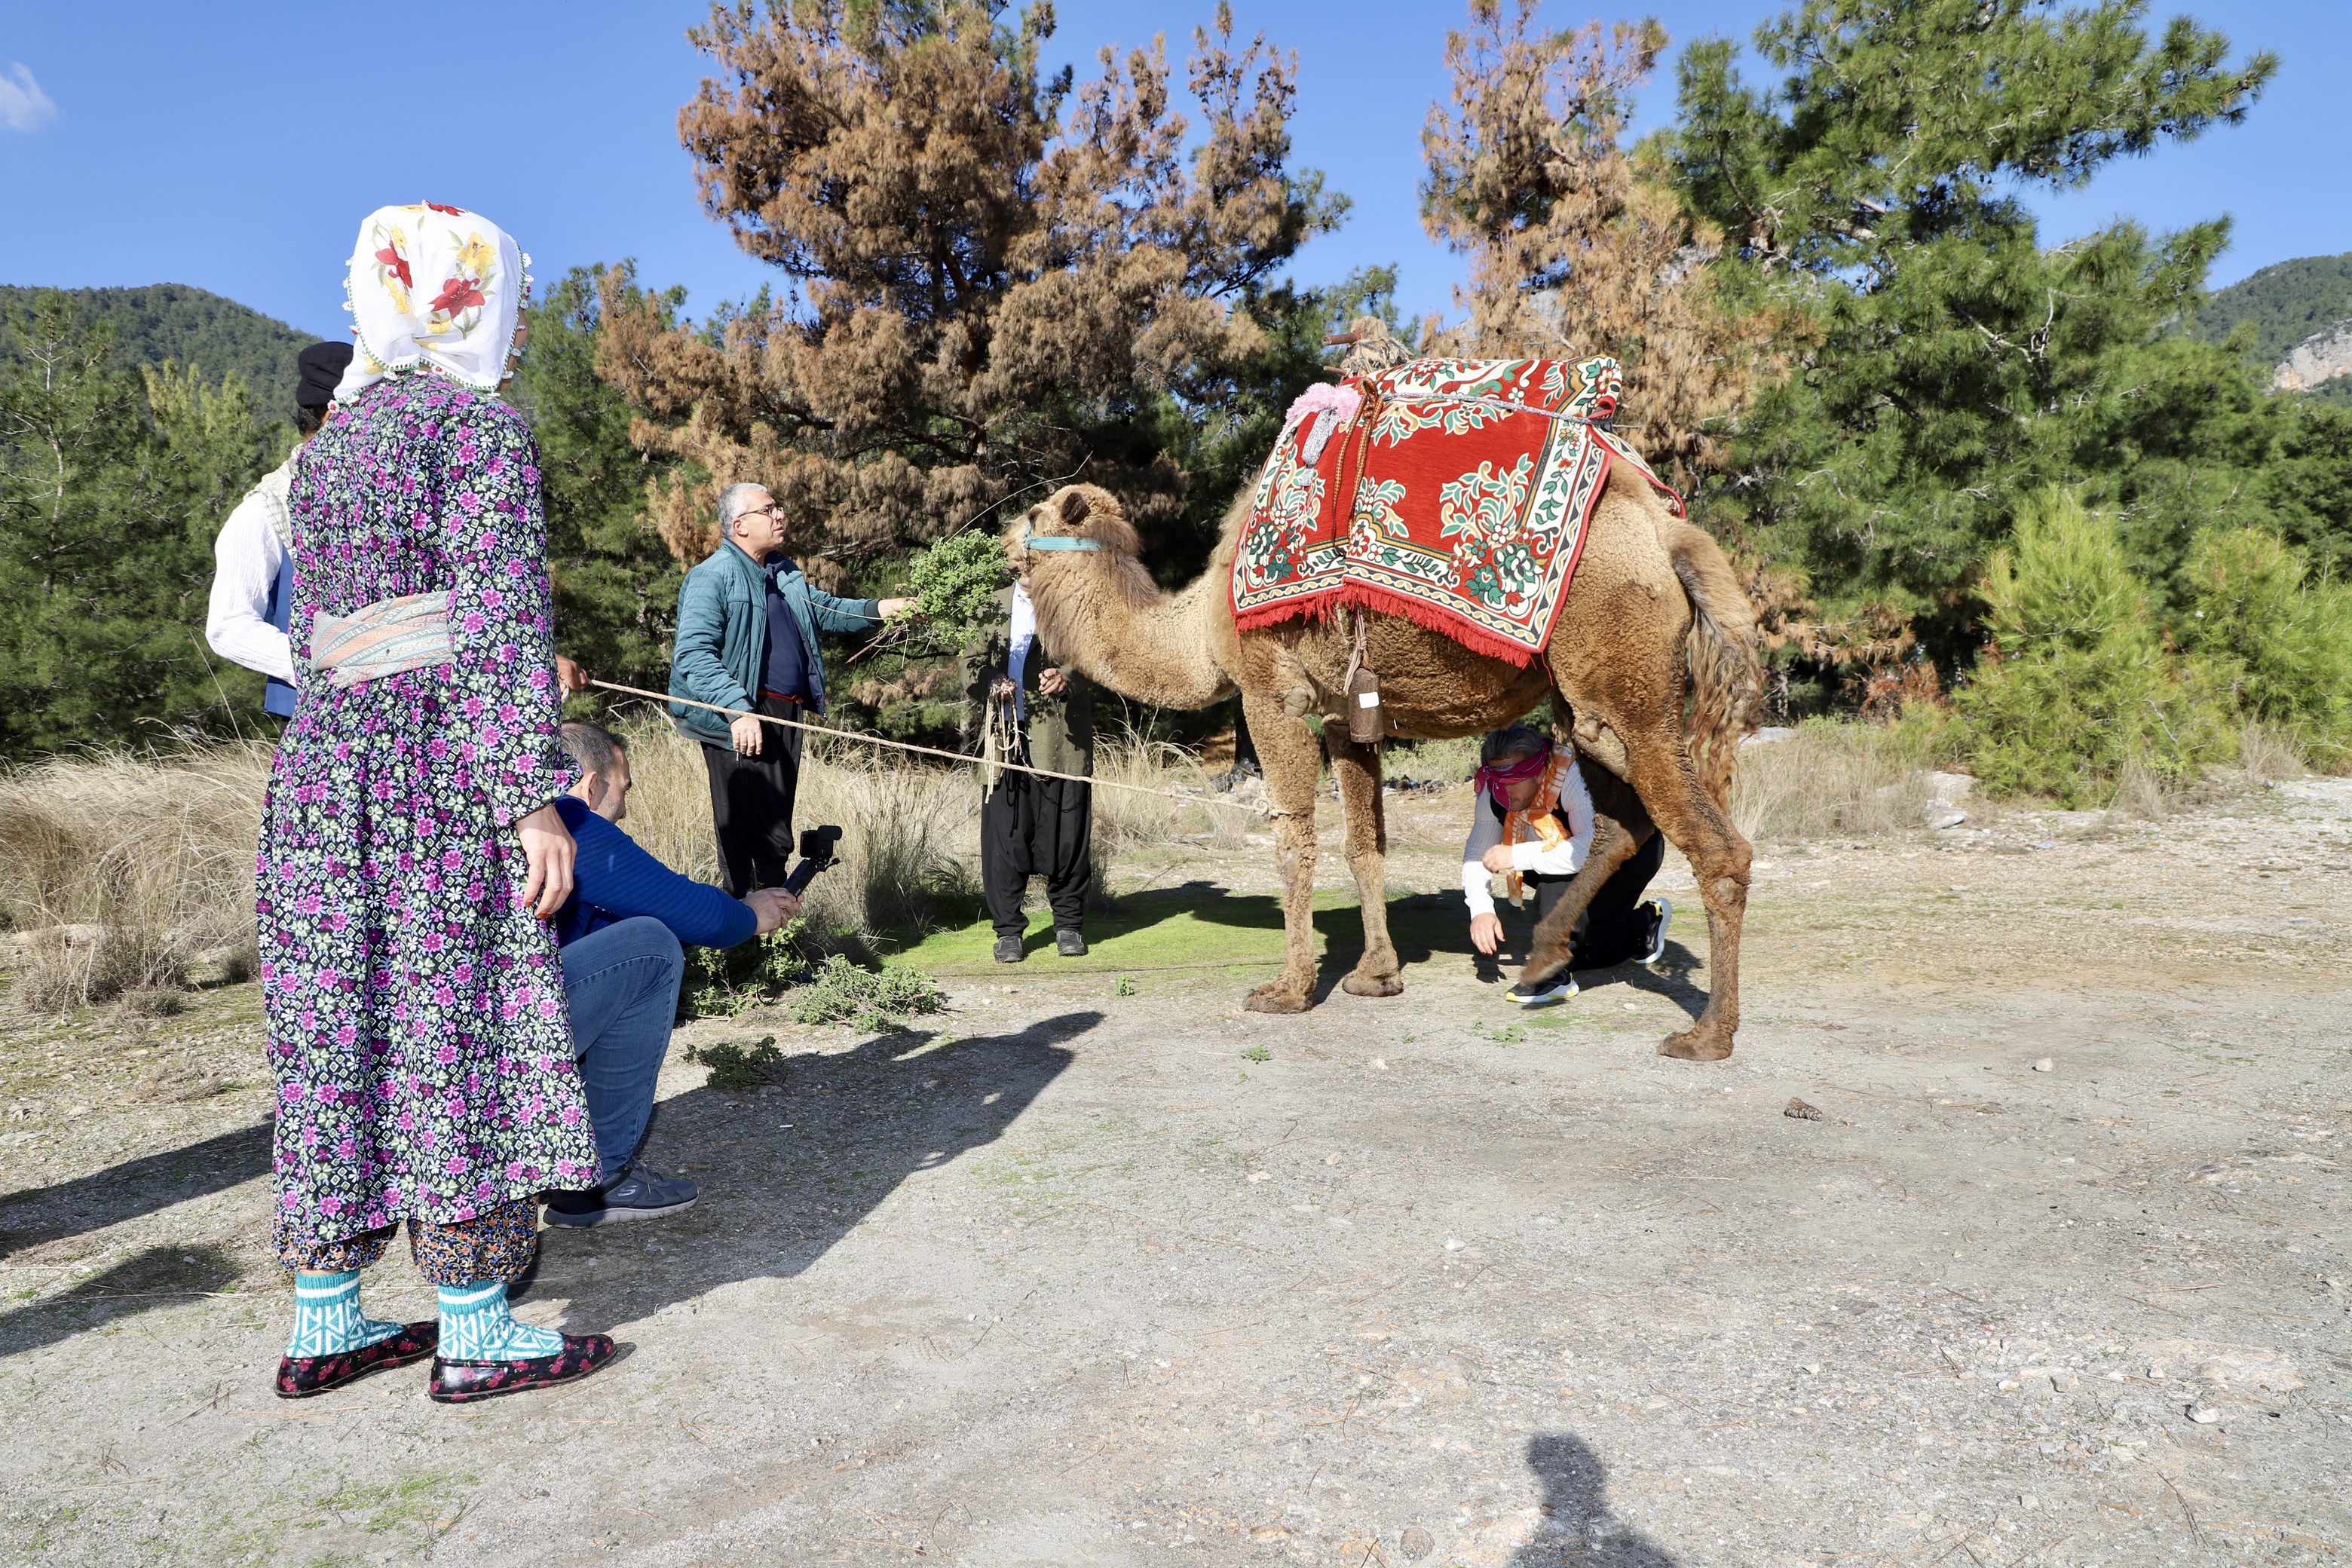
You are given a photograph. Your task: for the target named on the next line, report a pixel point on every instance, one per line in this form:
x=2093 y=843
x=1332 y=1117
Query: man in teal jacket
x=747 y=625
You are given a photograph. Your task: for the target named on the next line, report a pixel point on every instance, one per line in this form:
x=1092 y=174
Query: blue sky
x=235 y=146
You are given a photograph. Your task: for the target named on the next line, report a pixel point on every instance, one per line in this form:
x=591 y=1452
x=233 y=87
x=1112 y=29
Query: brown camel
x=1653 y=623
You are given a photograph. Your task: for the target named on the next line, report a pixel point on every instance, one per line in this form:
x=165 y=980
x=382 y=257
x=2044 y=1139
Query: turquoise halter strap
x=1058 y=541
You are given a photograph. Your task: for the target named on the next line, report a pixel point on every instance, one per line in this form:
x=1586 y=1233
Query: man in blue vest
x=747 y=625
x=253 y=559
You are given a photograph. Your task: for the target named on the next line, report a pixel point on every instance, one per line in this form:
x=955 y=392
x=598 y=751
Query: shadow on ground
x=1577 y=1527
x=788 y=1173
x=133 y=1188
x=151 y=1277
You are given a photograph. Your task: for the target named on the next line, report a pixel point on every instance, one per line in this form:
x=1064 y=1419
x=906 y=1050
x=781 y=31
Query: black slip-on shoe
x=1008 y=949
x=1665 y=913
x=300 y=1376
x=463 y=1382
x=1543 y=993
x=1070 y=943
x=639 y=1192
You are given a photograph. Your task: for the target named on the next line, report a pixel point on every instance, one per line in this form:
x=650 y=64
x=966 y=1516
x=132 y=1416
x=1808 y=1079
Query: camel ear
x=1075 y=508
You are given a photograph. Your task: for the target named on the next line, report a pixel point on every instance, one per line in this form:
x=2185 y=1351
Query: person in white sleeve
x=1532 y=824
x=252 y=562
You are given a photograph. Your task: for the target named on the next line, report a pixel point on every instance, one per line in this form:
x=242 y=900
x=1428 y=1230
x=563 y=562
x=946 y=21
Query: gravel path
x=1078 y=1276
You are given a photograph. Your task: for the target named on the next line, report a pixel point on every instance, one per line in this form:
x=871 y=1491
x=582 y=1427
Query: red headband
x=1490 y=777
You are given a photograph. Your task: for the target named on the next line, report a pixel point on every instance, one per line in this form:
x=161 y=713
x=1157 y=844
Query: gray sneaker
x=1070 y=943
x=639 y=1192
x=1008 y=949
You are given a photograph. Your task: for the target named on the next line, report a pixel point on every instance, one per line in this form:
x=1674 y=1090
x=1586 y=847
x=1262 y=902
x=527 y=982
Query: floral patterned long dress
x=417 y=1024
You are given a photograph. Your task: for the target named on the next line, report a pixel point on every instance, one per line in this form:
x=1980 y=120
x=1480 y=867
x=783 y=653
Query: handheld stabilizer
x=817 y=845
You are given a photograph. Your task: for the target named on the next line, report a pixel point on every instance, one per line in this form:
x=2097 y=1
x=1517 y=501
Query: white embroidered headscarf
x=432 y=285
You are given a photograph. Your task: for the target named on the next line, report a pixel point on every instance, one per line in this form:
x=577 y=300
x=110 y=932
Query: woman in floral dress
x=417 y=1025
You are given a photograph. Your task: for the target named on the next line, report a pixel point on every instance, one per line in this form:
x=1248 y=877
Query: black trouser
x=1030 y=826
x=752 y=803
x=1610 y=930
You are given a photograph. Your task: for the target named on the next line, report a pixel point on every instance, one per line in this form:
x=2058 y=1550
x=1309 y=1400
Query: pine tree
x=992 y=277
x=1576 y=247
x=615 y=582
x=1949 y=367
x=111 y=488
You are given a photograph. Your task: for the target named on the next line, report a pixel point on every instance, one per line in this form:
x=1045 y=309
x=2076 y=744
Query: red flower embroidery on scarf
x=452 y=212
x=457 y=294
x=390 y=256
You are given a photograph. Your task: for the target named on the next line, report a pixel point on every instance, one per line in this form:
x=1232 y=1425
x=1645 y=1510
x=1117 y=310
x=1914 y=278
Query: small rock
x=1949 y=786
x=2045 y=1065
x=2203 y=1415
x=1416 y=1544
x=1800 y=1111
x=1940 y=815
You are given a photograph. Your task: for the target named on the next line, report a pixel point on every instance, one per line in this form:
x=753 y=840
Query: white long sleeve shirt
x=246 y=557
x=1486 y=831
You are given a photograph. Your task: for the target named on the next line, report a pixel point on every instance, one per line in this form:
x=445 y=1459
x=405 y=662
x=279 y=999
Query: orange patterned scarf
x=1540 y=820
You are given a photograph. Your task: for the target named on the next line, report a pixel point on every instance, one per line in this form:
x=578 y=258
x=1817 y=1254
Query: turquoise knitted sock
x=327 y=1317
x=477 y=1324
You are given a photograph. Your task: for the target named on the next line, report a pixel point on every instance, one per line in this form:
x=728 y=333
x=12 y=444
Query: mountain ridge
x=191 y=326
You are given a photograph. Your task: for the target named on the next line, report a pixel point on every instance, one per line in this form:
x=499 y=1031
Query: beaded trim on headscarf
x=436 y=285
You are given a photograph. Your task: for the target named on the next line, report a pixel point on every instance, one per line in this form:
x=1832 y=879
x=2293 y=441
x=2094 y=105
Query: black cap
x=322 y=369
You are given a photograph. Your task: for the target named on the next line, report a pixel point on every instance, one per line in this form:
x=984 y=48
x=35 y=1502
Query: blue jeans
x=622 y=983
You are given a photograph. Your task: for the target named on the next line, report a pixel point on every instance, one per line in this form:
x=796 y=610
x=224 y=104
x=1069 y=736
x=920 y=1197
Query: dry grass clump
x=910 y=832
x=128 y=873
x=1829 y=781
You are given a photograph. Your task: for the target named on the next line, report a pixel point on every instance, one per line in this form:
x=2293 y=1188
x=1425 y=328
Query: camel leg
x=1669 y=787
x=1358 y=770
x=1613 y=843
x=1619 y=828
x=1287 y=751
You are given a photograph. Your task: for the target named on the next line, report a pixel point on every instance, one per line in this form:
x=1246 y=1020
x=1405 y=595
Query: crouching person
x=1532 y=824
x=621 y=936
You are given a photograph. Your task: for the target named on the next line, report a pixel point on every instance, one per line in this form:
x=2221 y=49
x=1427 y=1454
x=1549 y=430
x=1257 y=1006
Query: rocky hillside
x=2299 y=319
x=173 y=322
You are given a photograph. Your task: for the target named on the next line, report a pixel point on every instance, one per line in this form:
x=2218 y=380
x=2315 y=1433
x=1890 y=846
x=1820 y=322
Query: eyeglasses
x=768 y=510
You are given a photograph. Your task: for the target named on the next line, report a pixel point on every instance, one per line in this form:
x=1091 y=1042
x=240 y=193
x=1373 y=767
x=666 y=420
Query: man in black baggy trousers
x=747 y=625
x=1031 y=826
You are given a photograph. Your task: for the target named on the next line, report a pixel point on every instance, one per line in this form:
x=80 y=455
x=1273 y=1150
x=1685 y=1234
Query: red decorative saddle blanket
x=1456 y=492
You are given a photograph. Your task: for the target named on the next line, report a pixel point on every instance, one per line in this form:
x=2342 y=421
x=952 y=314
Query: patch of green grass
x=1257 y=1054
x=1127 y=985
x=1510 y=1035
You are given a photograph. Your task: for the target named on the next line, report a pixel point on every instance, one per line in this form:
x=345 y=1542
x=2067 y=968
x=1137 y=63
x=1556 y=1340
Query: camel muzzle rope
x=1255 y=808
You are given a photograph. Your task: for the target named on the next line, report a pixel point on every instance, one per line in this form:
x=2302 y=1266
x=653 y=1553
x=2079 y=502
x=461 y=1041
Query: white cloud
x=23 y=105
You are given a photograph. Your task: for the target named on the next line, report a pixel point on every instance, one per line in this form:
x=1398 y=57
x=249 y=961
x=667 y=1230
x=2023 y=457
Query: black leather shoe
x=1070 y=943
x=463 y=1382
x=1008 y=949
x=300 y=1376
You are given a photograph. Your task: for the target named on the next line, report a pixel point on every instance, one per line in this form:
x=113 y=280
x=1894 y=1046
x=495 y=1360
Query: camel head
x=1098 y=608
x=1064 y=583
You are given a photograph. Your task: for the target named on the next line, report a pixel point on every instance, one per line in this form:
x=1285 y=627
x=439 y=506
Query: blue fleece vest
x=279 y=697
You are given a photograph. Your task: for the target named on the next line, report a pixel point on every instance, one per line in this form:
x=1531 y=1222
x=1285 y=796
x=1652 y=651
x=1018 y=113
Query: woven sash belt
x=383 y=638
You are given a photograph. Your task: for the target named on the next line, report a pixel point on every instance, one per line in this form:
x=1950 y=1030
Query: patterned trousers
x=497 y=1245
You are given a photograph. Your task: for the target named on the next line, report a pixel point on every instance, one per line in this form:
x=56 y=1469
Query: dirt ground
x=1094 y=1269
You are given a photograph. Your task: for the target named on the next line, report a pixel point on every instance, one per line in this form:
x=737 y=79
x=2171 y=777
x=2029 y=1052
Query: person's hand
x=1486 y=934
x=1051 y=683
x=1497 y=859
x=548 y=852
x=774 y=906
x=746 y=735
x=568 y=676
x=1001 y=686
x=888 y=607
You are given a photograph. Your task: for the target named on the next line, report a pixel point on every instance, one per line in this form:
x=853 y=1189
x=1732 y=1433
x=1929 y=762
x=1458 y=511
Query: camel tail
x=1727 y=690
